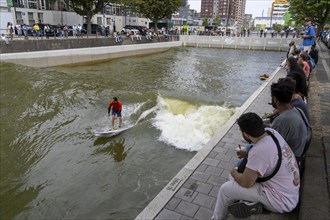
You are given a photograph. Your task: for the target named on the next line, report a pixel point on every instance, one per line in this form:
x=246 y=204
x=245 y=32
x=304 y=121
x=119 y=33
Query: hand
x=242 y=154
x=233 y=173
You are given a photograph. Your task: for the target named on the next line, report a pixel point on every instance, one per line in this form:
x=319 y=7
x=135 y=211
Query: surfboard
x=110 y=133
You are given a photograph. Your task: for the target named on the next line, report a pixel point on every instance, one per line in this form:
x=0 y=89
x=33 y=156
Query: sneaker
x=244 y=209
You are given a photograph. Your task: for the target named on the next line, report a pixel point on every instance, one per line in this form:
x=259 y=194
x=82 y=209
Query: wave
x=187 y=125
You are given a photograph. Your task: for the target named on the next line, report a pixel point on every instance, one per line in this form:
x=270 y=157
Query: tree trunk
x=155 y=25
x=89 y=26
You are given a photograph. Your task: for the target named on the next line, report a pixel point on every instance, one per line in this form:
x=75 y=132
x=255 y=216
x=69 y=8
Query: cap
x=308 y=19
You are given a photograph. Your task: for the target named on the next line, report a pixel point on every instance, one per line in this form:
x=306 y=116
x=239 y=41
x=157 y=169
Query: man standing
x=115 y=106
x=280 y=193
x=308 y=36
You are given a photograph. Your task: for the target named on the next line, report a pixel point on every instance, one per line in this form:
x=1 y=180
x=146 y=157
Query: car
x=143 y=30
x=95 y=28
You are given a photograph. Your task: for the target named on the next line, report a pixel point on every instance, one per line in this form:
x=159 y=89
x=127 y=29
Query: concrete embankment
x=84 y=55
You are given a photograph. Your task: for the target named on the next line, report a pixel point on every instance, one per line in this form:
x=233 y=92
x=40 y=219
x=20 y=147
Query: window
x=108 y=21
x=41 y=17
x=99 y=20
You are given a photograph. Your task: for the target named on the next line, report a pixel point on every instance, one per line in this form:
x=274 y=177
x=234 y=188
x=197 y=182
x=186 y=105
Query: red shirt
x=115 y=106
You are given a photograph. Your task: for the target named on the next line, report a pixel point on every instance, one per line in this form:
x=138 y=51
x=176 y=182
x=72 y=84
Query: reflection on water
x=116 y=148
x=52 y=166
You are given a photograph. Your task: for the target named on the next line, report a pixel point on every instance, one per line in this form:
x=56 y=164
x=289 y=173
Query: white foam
x=187 y=125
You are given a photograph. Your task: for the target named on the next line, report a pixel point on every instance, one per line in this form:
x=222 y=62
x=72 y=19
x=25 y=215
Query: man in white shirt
x=278 y=194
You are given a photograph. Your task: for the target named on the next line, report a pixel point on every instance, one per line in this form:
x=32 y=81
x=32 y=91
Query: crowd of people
x=267 y=176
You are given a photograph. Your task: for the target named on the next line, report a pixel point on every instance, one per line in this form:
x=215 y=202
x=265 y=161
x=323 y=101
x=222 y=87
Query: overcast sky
x=254 y=7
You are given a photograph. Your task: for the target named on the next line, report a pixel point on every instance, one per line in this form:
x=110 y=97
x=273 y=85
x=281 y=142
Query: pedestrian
x=115 y=107
x=309 y=35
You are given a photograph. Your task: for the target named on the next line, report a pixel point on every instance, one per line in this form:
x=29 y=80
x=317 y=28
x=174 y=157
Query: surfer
x=115 y=107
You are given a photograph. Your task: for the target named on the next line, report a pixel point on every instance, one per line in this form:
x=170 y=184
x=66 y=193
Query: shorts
x=116 y=112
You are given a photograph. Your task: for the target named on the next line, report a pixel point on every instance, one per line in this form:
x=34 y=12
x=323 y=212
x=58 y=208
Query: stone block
x=166 y=214
x=204 y=200
x=187 y=208
x=204 y=213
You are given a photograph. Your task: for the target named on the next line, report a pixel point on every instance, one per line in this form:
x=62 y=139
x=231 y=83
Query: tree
x=317 y=10
x=87 y=8
x=155 y=10
x=217 y=21
x=206 y=22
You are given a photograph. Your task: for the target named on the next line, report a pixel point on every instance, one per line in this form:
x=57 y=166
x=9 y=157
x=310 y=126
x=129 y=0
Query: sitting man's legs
x=231 y=191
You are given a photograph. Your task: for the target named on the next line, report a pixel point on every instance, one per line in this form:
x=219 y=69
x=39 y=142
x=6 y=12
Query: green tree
x=217 y=21
x=318 y=10
x=155 y=10
x=206 y=22
x=87 y=8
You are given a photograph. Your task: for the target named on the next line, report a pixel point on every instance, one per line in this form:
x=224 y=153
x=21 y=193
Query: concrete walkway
x=192 y=193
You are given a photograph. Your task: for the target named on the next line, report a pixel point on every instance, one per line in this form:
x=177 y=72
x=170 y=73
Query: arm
x=246 y=179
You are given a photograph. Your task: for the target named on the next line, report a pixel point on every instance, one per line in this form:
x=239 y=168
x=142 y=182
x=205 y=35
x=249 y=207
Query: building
x=279 y=8
x=267 y=22
x=116 y=16
x=230 y=11
x=248 y=21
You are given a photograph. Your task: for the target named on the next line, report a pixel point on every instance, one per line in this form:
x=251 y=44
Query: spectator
x=289 y=123
x=297 y=99
x=36 y=29
x=314 y=54
x=309 y=35
x=66 y=31
x=292 y=47
x=301 y=85
x=279 y=194
x=47 y=31
x=25 y=31
x=74 y=31
x=292 y=66
x=306 y=67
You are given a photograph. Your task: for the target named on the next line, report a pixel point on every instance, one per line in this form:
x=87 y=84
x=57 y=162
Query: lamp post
x=228 y=12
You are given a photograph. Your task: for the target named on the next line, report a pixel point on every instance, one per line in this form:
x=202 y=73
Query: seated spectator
x=289 y=123
x=117 y=37
x=301 y=85
x=243 y=195
x=292 y=66
x=291 y=49
x=314 y=54
x=306 y=67
x=296 y=101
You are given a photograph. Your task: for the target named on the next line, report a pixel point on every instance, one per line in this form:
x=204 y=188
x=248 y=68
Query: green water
x=53 y=167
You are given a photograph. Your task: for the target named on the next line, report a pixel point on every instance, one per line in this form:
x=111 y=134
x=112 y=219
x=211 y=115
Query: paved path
x=192 y=193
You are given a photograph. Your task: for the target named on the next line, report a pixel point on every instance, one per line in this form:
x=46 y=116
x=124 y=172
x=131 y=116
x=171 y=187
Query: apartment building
x=230 y=11
x=28 y=12
x=279 y=8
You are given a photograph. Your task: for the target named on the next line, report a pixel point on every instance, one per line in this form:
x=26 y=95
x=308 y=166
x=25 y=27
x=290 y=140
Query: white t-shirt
x=282 y=190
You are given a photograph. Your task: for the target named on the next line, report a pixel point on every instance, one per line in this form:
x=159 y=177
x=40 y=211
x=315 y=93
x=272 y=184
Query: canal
x=53 y=167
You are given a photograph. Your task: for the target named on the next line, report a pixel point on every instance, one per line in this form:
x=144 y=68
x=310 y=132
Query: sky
x=254 y=7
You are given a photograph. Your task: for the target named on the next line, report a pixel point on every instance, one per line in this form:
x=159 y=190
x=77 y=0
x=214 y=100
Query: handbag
x=243 y=163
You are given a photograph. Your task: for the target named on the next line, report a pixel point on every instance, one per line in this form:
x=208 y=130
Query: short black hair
x=115 y=99
x=252 y=124
x=282 y=92
x=289 y=81
x=301 y=85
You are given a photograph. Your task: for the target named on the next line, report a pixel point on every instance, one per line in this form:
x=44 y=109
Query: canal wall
x=240 y=43
x=84 y=55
